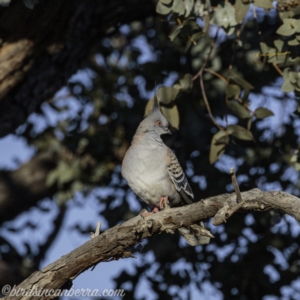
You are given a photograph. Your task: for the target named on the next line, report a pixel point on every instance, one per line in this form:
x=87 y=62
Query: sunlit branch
x=117 y=242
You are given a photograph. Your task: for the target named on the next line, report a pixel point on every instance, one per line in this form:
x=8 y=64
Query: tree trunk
x=41 y=48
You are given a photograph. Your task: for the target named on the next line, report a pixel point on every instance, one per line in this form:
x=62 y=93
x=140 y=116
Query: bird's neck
x=149 y=137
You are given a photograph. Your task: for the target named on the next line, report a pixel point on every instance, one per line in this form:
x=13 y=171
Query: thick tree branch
x=115 y=242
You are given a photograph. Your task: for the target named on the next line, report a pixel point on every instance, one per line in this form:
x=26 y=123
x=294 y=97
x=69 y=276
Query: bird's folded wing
x=178 y=178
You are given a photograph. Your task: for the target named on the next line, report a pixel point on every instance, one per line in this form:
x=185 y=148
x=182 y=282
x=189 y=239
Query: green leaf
x=196 y=36
x=162 y=9
x=284 y=30
x=239 y=110
x=233 y=91
x=287 y=86
x=52 y=177
x=297 y=25
x=240 y=132
x=240 y=81
x=294 y=42
x=275 y=57
x=217 y=148
x=286 y=73
x=167 y=94
x=66 y=176
x=196 y=63
x=295 y=157
x=224 y=16
x=293 y=76
x=149 y=106
x=187 y=45
x=4 y=2
x=201 y=7
x=249 y=123
x=77 y=186
x=263 y=112
x=288 y=28
x=241 y=10
x=298 y=80
x=172 y=115
x=178 y=7
x=63 y=196
x=264 y=48
x=188 y=7
x=175 y=31
x=65 y=173
x=229 y=30
x=223 y=140
x=279 y=45
x=286 y=14
x=267 y=4
x=165 y=1
x=30 y=3
x=296 y=9
x=186 y=82
x=295 y=160
x=191 y=24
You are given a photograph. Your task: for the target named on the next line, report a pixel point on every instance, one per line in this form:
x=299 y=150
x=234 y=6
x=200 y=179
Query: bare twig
x=200 y=75
x=212 y=45
x=277 y=69
x=230 y=207
x=207 y=103
x=216 y=74
x=236 y=186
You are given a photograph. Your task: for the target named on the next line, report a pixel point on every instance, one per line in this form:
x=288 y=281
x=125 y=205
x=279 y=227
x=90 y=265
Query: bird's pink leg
x=162 y=204
x=163 y=201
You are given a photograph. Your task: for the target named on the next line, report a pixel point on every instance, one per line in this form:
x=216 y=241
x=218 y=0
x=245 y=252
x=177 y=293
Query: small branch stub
x=97 y=231
x=236 y=186
x=229 y=207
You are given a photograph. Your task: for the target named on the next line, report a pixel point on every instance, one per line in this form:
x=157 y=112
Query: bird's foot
x=163 y=202
x=147 y=213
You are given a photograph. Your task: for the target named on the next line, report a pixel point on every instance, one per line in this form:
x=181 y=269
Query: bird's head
x=155 y=121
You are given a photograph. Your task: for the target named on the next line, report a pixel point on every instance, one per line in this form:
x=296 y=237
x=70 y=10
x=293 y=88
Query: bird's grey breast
x=144 y=168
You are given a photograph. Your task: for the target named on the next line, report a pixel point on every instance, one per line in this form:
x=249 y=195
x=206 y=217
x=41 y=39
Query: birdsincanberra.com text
x=12 y=291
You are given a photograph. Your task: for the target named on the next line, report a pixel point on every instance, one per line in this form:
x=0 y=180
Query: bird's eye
x=158 y=123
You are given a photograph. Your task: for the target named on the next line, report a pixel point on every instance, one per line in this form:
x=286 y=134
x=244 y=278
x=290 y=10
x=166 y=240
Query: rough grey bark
x=115 y=242
x=41 y=48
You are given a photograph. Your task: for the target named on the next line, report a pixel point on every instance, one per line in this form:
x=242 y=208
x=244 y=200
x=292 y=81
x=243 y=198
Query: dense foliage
x=229 y=82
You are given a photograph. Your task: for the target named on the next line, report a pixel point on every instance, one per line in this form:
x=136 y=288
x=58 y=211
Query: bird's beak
x=167 y=131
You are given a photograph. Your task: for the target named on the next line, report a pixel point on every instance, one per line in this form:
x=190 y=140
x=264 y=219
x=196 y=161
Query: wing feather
x=179 y=179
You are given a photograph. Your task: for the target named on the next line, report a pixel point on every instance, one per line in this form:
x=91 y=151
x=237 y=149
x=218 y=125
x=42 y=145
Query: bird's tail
x=196 y=234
